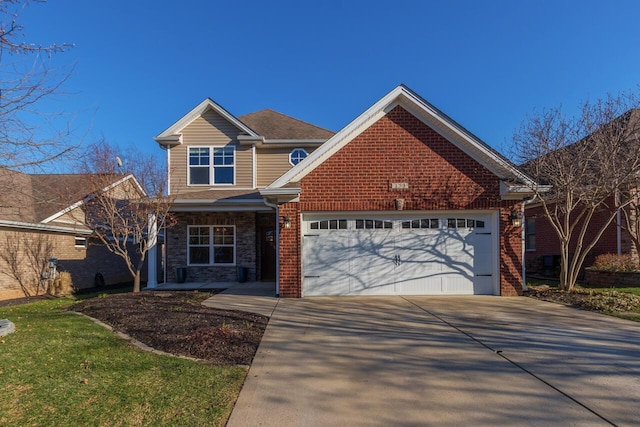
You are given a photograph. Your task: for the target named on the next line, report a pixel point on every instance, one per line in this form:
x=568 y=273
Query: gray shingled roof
x=274 y=125
x=33 y=198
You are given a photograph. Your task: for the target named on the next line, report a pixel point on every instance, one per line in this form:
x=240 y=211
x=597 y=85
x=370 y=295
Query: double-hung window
x=212 y=245
x=212 y=165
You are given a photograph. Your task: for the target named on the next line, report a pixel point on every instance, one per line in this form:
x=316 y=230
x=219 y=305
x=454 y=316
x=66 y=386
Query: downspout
x=618 y=224
x=524 y=236
x=275 y=206
x=524 y=249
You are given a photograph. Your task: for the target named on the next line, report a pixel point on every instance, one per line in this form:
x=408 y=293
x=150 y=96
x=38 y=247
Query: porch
x=231 y=288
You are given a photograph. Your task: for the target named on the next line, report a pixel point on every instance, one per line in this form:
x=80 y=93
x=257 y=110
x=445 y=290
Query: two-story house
x=403 y=200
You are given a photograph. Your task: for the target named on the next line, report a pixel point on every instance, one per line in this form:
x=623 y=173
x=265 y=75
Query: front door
x=267 y=253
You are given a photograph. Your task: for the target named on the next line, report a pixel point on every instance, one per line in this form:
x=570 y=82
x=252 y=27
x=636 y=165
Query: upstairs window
x=211 y=165
x=297 y=155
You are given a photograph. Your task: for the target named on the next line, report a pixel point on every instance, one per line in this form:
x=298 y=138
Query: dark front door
x=268 y=253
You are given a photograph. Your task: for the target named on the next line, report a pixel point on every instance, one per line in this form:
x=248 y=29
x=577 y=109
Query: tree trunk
x=136 y=282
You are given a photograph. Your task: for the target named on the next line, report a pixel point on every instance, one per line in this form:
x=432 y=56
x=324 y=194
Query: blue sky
x=140 y=65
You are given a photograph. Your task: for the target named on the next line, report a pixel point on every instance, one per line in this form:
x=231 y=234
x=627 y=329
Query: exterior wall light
x=516 y=219
x=286 y=222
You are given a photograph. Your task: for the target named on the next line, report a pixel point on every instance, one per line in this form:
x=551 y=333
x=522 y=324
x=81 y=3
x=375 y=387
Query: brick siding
x=176 y=246
x=547 y=242
x=399 y=148
x=83 y=264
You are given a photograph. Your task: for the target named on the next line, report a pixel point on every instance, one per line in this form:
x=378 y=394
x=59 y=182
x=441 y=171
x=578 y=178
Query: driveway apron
x=413 y=361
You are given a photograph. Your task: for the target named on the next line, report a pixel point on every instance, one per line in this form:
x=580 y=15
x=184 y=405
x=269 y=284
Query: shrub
x=614 y=262
x=62 y=285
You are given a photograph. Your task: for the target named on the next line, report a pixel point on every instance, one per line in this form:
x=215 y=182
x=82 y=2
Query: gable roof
x=428 y=114
x=41 y=198
x=172 y=135
x=274 y=125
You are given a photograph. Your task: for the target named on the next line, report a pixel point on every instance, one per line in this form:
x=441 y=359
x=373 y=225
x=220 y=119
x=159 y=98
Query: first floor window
x=530 y=234
x=212 y=245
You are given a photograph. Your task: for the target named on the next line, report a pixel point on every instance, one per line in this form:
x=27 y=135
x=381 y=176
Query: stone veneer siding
x=176 y=246
x=400 y=148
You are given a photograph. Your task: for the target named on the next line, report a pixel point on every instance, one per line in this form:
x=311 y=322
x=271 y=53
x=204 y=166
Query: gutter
x=44 y=227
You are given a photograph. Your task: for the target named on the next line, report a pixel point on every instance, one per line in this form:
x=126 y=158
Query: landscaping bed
x=178 y=323
x=607 y=301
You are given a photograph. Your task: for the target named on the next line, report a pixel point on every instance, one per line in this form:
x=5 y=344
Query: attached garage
x=402 y=201
x=430 y=253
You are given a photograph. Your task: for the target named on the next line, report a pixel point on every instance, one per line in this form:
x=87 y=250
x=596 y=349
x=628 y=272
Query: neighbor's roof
x=34 y=198
x=273 y=125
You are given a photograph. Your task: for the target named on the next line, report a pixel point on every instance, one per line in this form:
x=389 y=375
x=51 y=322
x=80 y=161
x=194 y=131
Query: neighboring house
x=542 y=245
x=42 y=216
x=403 y=200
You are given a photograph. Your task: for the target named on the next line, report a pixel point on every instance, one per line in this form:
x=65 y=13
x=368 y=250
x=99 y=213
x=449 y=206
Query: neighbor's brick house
x=48 y=210
x=403 y=200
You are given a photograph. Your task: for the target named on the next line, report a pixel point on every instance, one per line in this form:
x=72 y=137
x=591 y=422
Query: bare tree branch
x=122 y=215
x=588 y=160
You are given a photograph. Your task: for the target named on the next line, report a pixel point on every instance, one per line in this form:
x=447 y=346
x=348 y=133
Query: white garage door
x=434 y=254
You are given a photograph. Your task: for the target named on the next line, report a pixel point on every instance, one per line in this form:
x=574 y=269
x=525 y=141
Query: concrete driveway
x=414 y=361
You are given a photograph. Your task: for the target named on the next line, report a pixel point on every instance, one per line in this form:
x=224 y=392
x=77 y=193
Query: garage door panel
x=326 y=270
x=419 y=270
x=431 y=255
x=372 y=257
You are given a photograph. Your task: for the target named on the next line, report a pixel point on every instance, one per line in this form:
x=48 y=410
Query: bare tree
x=587 y=159
x=121 y=215
x=28 y=136
x=631 y=218
x=26 y=258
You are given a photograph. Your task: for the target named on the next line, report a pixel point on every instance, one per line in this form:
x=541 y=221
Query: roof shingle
x=274 y=125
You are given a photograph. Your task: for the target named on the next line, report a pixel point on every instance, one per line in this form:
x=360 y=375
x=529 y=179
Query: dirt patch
x=177 y=323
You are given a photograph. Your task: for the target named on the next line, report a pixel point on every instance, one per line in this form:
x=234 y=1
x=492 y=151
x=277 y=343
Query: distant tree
x=121 y=216
x=588 y=159
x=27 y=135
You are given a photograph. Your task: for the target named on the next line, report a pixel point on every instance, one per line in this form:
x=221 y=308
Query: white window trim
x=211 y=166
x=212 y=246
x=76 y=245
x=294 y=150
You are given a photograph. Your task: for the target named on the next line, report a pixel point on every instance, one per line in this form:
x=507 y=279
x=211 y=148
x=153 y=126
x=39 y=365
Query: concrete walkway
x=451 y=361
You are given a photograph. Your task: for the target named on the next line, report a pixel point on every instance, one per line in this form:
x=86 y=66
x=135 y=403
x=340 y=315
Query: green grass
x=59 y=368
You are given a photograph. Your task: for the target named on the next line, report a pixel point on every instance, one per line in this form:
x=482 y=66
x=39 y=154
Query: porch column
x=152 y=252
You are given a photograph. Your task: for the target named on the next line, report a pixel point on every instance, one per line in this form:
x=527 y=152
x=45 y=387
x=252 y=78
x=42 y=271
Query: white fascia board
x=62 y=212
x=44 y=227
x=423 y=111
x=511 y=191
x=175 y=129
x=268 y=191
x=260 y=142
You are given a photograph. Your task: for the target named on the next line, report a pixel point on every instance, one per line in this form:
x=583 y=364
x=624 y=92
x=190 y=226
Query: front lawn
x=59 y=368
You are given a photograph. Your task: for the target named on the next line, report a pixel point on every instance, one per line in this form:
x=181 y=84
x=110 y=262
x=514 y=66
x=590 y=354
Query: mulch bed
x=177 y=323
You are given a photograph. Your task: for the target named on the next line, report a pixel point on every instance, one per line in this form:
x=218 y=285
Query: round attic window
x=297 y=155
